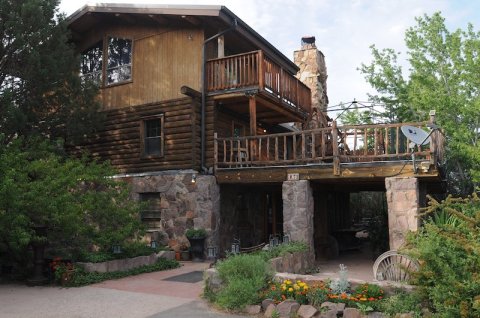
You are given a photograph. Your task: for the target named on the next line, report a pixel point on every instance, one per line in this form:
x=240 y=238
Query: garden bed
x=125 y=264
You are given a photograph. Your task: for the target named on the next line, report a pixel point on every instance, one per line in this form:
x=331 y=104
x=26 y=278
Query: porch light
x=194 y=178
x=153 y=244
x=236 y=246
x=116 y=249
x=286 y=239
x=212 y=252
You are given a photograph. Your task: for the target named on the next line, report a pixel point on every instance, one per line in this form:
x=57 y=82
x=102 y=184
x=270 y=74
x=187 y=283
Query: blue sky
x=344 y=29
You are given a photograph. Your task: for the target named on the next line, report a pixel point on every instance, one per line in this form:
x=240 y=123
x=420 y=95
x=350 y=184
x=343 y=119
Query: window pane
x=91 y=62
x=119 y=61
x=153 y=136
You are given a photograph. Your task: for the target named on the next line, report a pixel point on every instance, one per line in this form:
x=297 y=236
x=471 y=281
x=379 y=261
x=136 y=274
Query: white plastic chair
x=395 y=267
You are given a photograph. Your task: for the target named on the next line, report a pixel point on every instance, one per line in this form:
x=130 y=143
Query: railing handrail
x=368 y=143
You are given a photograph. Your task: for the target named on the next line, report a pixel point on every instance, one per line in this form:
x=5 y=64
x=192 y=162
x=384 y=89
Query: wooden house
x=197 y=106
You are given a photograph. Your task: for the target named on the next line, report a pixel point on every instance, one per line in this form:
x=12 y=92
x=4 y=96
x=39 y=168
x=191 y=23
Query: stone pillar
x=298 y=211
x=207 y=207
x=403 y=203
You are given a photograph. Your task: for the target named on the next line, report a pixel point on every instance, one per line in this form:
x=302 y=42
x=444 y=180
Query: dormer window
x=118 y=60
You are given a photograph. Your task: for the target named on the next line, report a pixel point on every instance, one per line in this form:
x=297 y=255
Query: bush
x=129 y=250
x=402 y=303
x=81 y=278
x=196 y=233
x=449 y=255
x=283 y=249
x=244 y=276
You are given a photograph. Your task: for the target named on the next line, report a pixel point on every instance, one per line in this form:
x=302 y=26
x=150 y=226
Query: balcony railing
x=255 y=70
x=359 y=143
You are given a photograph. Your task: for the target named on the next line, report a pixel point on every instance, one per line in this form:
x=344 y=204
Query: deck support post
x=298 y=210
x=252 y=107
x=403 y=200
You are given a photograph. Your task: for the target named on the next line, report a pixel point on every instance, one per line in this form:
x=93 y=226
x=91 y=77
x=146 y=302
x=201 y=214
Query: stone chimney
x=313 y=72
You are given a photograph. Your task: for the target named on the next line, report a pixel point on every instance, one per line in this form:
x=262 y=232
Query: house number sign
x=293 y=176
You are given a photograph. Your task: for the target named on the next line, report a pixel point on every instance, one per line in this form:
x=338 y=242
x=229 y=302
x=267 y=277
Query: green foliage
x=82 y=278
x=244 y=276
x=283 y=249
x=449 y=255
x=340 y=285
x=40 y=90
x=75 y=199
x=402 y=302
x=317 y=295
x=196 y=233
x=443 y=75
x=129 y=250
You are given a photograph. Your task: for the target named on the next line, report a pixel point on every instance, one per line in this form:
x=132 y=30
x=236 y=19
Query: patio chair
x=392 y=266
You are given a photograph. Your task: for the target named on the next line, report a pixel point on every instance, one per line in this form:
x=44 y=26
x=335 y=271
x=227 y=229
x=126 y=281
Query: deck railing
x=353 y=143
x=255 y=70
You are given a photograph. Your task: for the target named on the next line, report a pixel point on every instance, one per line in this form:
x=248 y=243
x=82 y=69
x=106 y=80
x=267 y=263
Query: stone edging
x=126 y=263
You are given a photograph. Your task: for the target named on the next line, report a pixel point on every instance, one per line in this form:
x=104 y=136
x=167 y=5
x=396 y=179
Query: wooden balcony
x=255 y=71
x=331 y=148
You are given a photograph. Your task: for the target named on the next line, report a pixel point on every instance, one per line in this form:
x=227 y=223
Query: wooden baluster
x=313 y=145
x=323 y=144
x=397 y=142
x=284 y=147
x=224 y=151
x=336 y=159
x=260 y=148
x=355 y=141
x=303 y=145
x=231 y=150
x=276 y=148
x=268 y=148
x=375 y=143
x=261 y=70
x=215 y=151
x=386 y=141
x=365 y=141
x=294 y=146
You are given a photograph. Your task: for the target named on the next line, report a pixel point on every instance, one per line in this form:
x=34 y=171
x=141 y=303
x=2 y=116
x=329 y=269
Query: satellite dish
x=416 y=135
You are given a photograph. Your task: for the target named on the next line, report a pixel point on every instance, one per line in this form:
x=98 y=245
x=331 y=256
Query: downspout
x=204 y=92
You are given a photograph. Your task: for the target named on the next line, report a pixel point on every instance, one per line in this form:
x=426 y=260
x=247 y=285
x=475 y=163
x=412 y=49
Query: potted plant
x=196 y=237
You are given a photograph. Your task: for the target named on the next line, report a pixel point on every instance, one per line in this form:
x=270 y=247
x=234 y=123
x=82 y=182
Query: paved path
x=146 y=295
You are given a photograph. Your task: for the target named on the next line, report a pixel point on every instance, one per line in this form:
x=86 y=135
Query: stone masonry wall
x=183 y=204
x=403 y=203
x=298 y=211
x=313 y=73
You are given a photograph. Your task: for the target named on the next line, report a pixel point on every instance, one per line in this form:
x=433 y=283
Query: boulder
x=270 y=310
x=266 y=303
x=287 y=308
x=352 y=313
x=253 y=309
x=307 y=311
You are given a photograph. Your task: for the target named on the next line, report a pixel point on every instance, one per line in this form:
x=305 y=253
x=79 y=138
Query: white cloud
x=344 y=30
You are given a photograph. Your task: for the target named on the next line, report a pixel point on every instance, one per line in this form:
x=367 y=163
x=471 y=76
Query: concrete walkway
x=146 y=295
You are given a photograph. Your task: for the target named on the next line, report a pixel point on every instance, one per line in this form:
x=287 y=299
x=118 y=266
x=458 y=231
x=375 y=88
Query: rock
x=340 y=308
x=307 y=311
x=253 y=309
x=287 y=308
x=266 y=303
x=213 y=280
x=404 y=315
x=351 y=313
x=270 y=310
x=331 y=313
x=376 y=314
x=329 y=305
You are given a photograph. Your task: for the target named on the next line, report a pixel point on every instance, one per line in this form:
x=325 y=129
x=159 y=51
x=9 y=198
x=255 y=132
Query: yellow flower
x=284 y=287
x=299 y=281
x=290 y=289
x=305 y=288
x=296 y=287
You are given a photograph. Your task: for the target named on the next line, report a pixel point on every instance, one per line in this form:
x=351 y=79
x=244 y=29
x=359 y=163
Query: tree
x=76 y=200
x=443 y=76
x=40 y=90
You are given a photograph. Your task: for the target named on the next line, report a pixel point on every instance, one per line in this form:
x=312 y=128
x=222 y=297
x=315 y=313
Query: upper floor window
x=91 y=63
x=153 y=136
x=118 y=60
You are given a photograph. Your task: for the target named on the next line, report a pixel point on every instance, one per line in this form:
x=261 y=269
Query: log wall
x=120 y=140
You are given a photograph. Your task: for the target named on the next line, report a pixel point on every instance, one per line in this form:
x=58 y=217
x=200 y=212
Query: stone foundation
x=298 y=211
x=183 y=204
x=403 y=203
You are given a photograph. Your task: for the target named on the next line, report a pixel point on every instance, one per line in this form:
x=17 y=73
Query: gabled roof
x=218 y=17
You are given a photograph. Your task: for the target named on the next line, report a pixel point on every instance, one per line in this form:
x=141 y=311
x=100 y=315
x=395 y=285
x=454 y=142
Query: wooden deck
x=343 y=152
x=255 y=71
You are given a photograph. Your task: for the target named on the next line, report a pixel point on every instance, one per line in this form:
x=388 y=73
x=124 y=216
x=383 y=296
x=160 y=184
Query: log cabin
x=215 y=128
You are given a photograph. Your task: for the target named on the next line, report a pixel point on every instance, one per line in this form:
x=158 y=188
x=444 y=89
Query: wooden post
x=252 y=106
x=221 y=46
x=261 y=70
x=215 y=151
x=336 y=159
x=433 y=140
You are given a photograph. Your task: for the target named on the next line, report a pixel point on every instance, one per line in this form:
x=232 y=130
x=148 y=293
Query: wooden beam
x=159 y=19
x=252 y=107
x=185 y=90
x=193 y=20
x=221 y=46
x=126 y=17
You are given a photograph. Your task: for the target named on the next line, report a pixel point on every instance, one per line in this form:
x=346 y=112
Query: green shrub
x=244 y=276
x=196 y=233
x=129 y=250
x=81 y=277
x=449 y=255
x=283 y=249
x=402 y=302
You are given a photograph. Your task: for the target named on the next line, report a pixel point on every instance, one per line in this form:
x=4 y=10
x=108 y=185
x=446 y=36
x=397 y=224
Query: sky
x=344 y=29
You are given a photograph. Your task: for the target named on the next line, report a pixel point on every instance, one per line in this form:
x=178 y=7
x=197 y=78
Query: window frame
x=106 y=39
x=143 y=124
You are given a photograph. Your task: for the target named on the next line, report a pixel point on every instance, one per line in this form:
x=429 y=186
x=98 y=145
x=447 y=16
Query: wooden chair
x=392 y=266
